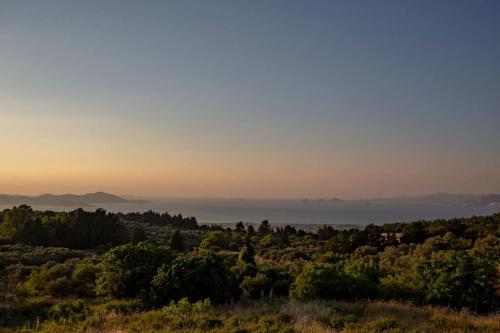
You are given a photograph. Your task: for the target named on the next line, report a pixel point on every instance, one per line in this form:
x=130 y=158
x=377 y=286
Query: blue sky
x=250 y=98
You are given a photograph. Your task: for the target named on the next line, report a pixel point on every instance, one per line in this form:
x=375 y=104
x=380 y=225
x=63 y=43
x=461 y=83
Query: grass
x=270 y=315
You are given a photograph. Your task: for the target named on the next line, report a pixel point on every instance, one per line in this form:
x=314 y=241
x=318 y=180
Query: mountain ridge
x=65 y=200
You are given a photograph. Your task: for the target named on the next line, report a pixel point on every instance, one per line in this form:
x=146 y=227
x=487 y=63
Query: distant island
x=66 y=200
x=331 y=200
x=445 y=199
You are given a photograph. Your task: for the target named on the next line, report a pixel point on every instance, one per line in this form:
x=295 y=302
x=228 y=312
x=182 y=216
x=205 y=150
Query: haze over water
x=291 y=211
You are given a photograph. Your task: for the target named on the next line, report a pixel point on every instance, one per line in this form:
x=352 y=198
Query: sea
x=291 y=211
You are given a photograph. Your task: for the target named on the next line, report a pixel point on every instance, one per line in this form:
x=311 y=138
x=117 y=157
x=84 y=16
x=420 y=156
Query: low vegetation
x=149 y=272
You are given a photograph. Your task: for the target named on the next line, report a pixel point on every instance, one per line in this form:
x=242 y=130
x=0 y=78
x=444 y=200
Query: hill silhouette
x=83 y=200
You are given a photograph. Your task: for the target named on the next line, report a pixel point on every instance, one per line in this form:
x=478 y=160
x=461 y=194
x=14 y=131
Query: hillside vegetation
x=149 y=272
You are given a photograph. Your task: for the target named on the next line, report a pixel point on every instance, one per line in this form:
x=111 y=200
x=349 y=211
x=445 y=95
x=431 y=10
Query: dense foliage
x=151 y=260
x=78 y=229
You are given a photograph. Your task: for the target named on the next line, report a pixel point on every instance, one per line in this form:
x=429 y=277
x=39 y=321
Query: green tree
x=457 y=279
x=240 y=227
x=84 y=279
x=216 y=239
x=138 y=235
x=365 y=274
x=196 y=276
x=176 y=241
x=247 y=254
x=250 y=231
x=321 y=281
x=127 y=270
x=264 y=227
x=414 y=233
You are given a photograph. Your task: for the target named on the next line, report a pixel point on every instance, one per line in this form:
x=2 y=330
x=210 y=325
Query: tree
x=139 y=235
x=321 y=281
x=177 y=242
x=457 y=279
x=196 y=276
x=326 y=232
x=414 y=233
x=84 y=279
x=264 y=227
x=341 y=243
x=364 y=274
x=250 y=231
x=216 y=239
x=488 y=247
x=15 y=220
x=129 y=269
x=240 y=227
x=255 y=286
x=373 y=236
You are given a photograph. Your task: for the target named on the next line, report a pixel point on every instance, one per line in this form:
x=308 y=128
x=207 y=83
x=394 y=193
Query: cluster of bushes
x=157 y=275
x=450 y=278
x=71 y=278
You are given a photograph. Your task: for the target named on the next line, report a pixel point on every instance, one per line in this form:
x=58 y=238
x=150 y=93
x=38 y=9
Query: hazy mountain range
x=69 y=200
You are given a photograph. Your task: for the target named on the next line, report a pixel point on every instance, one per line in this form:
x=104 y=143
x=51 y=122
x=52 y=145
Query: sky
x=260 y=99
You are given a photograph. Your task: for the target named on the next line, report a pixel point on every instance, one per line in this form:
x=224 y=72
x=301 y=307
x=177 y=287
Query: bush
x=51 y=279
x=272 y=324
x=70 y=310
x=341 y=321
x=124 y=306
x=59 y=287
x=382 y=325
x=84 y=279
x=217 y=240
x=257 y=286
x=38 y=308
x=457 y=279
x=184 y=314
x=195 y=276
x=127 y=270
x=321 y=281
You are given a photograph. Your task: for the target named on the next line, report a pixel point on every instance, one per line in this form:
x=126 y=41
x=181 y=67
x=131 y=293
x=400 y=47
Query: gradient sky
x=250 y=98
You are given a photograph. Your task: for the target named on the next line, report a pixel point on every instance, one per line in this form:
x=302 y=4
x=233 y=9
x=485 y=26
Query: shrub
x=51 y=279
x=257 y=286
x=127 y=270
x=38 y=308
x=124 y=306
x=382 y=325
x=70 y=310
x=184 y=314
x=195 y=276
x=321 y=281
x=59 y=287
x=272 y=324
x=341 y=321
x=84 y=279
x=457 y=279
x=216 y=239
